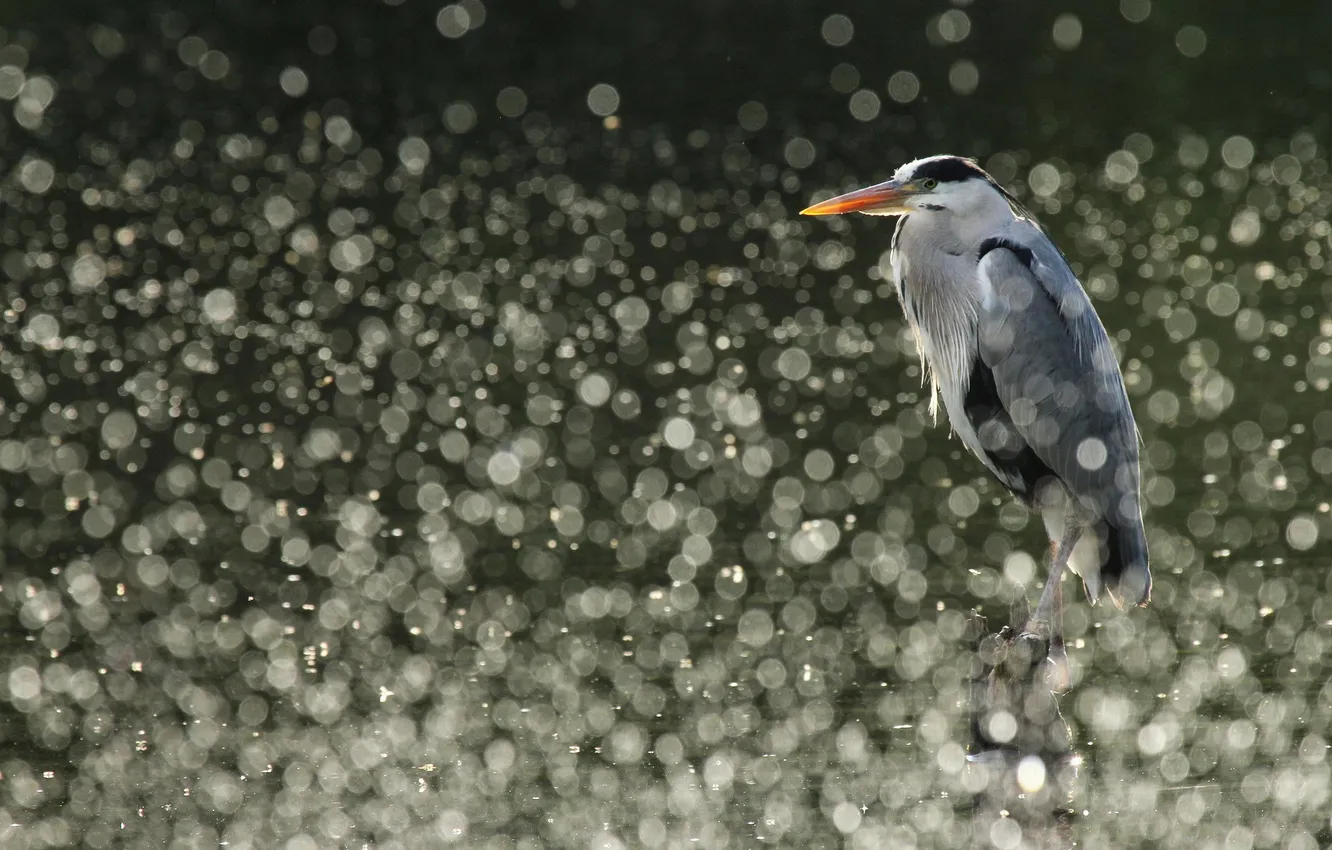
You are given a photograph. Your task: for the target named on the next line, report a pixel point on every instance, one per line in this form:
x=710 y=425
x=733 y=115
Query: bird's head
x=948 y=184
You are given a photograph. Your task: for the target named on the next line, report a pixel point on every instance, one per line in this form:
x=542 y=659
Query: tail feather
x=1126 y=573
x=1107 y=557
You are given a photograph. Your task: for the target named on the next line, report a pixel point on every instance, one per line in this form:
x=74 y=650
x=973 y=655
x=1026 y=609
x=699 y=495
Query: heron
x=1023 y=366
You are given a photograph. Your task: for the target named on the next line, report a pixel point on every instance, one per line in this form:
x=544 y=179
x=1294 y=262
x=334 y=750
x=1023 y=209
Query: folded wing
x=1047 y=397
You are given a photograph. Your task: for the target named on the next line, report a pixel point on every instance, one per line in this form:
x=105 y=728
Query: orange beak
x=882 y=199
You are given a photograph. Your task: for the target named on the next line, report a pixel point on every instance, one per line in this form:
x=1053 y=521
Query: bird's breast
x=941 y=299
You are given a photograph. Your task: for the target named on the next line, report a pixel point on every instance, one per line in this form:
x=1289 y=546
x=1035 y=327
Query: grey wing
x=1055 y=373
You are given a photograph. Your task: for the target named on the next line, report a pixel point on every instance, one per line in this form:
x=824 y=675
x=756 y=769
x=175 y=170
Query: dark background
x=686 y=65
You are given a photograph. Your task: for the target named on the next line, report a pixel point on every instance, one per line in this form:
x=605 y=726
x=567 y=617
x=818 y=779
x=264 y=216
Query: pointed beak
x=882 y=199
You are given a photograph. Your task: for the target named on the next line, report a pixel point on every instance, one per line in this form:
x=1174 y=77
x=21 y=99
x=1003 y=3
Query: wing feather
x=1055 y=372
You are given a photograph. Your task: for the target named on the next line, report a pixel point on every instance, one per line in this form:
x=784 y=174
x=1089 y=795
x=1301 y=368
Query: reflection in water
x=1021 y=770
x=383 y=462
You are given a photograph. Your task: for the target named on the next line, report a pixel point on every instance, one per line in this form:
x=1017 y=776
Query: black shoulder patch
x=1019 y=467
x=1021 y=252
x=1028 y=259
x=950 y=170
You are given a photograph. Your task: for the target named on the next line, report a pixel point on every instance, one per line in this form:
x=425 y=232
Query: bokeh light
x=433 y=425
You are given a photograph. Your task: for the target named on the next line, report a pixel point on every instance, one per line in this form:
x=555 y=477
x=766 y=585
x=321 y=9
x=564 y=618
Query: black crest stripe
x=950 y=170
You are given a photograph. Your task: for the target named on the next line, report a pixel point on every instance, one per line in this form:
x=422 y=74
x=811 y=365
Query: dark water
x=433 y=426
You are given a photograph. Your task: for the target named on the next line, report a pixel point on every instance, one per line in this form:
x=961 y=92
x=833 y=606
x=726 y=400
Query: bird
x=1023 y=366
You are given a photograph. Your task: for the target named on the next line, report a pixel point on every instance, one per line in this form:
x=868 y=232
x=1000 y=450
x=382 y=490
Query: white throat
x=967 y=216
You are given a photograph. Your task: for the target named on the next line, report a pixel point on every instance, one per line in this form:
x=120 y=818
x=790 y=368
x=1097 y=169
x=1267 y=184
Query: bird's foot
x=1035 y=645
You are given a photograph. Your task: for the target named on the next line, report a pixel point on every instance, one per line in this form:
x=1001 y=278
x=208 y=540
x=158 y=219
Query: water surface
x=419 y=428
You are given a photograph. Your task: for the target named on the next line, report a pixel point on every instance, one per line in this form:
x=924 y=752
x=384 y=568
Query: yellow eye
x=929 y=183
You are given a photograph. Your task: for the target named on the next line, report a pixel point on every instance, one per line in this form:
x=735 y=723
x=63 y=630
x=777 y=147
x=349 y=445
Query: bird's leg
x=1045 y=625
x=1041 y=622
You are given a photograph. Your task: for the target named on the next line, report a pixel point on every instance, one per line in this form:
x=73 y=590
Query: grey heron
x=1023 y=366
